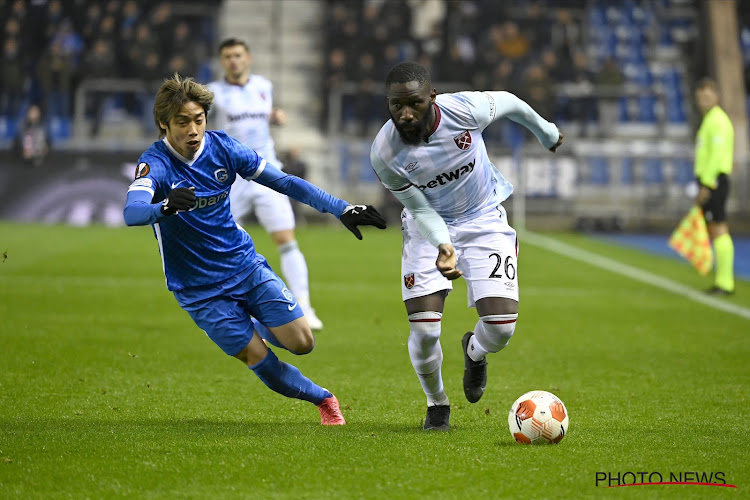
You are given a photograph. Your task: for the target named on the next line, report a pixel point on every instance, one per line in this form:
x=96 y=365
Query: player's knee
x=424 y=337
x=303 y=342
x=496 y=331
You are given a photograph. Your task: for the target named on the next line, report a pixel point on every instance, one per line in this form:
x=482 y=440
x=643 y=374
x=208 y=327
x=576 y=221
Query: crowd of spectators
x=50 y=46
x=527 y=48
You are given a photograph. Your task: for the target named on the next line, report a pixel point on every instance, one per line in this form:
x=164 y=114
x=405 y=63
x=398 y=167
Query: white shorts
x=487 y=250
x=272 y=209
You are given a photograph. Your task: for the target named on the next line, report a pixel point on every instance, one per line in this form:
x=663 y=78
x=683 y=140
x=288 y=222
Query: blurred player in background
x=181 y=188
x=714 y=155
x=243 y=108
x=432 y=157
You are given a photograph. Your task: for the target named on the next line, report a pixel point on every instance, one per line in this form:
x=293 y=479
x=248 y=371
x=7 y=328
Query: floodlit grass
x=108 y=389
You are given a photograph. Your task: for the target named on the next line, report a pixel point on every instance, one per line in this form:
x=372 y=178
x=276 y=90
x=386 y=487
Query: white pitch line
x=614 y=266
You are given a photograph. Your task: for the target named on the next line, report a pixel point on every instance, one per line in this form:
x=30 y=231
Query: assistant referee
x=714 y=153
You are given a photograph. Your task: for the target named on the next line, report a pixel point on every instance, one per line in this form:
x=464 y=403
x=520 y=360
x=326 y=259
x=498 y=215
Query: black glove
x=178 y=199
x=361 y=215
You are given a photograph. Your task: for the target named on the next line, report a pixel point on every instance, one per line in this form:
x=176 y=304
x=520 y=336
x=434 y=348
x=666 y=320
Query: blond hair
x=173 y=94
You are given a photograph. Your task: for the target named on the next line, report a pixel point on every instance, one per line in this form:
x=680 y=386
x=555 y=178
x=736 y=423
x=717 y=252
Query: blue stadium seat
x=627 y=171
x=598 y=170
x=647 y=109
x=9 y=127
x=624 y=115
x=653 y=171
x=675 y=111
x=60 y=128
x=683 y=171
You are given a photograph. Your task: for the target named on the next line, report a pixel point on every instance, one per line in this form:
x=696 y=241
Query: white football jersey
x=244 y=111
x=452 y=167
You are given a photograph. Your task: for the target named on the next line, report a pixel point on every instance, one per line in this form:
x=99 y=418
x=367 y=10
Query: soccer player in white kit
x=243 y=108
x=432 y=157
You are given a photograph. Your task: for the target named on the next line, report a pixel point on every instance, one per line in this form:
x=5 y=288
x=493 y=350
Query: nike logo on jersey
x=291 y=308
x=451 y=175
x=177 y=184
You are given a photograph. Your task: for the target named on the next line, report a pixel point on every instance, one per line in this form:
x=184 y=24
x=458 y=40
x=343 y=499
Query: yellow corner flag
x=691 y=240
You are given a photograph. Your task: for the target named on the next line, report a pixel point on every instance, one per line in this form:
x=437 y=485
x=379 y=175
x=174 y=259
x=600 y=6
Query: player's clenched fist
x=178 y=199
x=447 y=260
x=361 y=215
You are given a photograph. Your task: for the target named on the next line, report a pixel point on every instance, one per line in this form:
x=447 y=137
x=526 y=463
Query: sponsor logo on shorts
x=409 y=280
x=509 y=285
x=288 y=296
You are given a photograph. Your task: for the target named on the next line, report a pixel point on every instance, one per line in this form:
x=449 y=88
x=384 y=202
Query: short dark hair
x=174 y=93
x=707 y=83
x=231 y=42
x=408 y=71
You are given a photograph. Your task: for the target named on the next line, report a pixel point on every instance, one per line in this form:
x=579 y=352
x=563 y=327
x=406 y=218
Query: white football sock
x=426 y=354
x=294 y=269
x=491 y=334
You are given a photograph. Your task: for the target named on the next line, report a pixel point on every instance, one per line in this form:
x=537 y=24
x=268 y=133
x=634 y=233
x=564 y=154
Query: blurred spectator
x=424 y=15
x=538 y=91
x=555 y=71
x=336 y=74
x=12 y=78
x=53 y=17
x=160 y=20
x=91 y=21
x=565 y=36
x=130 y=15
x=503 y=78
x=610 y=81
x=364 y=100
x=582 y=105
x=71 y=43
x=178 y=63
x=100 y=62
x=137 y=52
x=32 y=143
x=55 y=71
x=512 y=43
x=188 y=47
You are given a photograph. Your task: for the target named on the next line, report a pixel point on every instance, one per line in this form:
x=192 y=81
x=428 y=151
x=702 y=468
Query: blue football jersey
x=203 y=245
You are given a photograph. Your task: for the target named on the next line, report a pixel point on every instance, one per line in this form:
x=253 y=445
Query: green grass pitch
x=107 y=388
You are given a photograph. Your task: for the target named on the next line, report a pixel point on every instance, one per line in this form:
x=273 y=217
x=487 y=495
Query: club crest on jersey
x=409 y=280
x=463 y=140
x=411 y=167
x=142 y=170
x=221 y=175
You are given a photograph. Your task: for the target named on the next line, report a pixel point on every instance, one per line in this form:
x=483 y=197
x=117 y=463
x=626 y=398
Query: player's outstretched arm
x=139 y=211
x=301 y=190
x=361 y=215
x=512 y=107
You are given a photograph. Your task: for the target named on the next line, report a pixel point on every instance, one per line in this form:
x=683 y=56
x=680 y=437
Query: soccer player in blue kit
x=181 y=188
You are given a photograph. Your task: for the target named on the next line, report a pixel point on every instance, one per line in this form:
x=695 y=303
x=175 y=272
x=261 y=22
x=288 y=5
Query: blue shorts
x=225 y=310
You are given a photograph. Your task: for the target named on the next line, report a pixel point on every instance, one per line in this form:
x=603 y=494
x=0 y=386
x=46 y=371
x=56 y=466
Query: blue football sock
x=287 y=380
x=266 y=334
